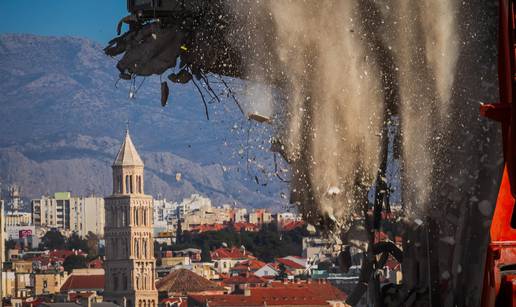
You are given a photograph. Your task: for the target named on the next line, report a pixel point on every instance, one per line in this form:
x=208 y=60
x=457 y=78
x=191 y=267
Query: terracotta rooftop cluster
x=231 y=253
x=276 y=293
x=182 y=282
x=80 y=283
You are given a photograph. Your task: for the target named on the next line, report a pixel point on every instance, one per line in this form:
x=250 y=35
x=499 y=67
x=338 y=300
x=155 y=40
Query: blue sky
x=94 y=19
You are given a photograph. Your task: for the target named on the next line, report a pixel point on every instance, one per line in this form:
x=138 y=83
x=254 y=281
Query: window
x=127 y=184
x=131 y=184
x=120 y=183
x=115 y=283
x=125 y=282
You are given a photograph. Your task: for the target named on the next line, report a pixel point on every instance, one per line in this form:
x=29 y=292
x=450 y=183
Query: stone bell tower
x=130 y=264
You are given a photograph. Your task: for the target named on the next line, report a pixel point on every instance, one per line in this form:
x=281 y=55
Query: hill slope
x=63 y=119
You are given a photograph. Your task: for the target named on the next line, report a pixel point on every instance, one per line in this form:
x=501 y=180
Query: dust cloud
x=325 y=57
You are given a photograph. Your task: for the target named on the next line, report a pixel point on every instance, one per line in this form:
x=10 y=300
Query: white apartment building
x=237 y=215
x=260 y=216
x=164 y=211
x=67 y=213
x=195 y=211
x=89 y=216
x=17 y=219
x=194 y=202
x=285 y=217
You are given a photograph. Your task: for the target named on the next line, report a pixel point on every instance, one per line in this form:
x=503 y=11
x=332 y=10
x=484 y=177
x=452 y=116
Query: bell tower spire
x=130 y=264
x=128 y=169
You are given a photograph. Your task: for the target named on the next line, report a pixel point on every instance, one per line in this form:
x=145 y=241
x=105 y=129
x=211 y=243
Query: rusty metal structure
x=190 y=36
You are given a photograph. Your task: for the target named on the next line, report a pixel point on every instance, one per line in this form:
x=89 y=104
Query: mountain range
x=64 y=112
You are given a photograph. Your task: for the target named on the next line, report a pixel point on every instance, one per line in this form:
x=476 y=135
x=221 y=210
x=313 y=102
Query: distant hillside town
x=130 y=249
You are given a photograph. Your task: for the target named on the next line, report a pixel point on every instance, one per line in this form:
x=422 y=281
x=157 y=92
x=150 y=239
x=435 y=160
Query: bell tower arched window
x=131 y=190
x=124 y=282
x=115 y=283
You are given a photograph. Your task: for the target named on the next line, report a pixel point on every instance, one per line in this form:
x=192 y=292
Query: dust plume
x=323 y=57
x=425 y=42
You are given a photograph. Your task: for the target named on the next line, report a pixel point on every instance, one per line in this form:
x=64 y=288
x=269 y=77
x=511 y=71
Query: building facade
x=69 y=213
x=130 y=263
x=17 y=219
x=260 y=217
x=49 y=282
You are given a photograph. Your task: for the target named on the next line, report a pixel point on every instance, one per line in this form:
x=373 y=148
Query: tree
x=282 y=272
x=74 y=262
x=205 y=253
x=53 y=239
x=76 y=242
x=179 y=232
x=266 y=244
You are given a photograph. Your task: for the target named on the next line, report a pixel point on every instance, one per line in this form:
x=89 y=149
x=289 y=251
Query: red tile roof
x=231 y=253
x=303 y=294
x=290 y=264
x=251 y=265
x=240 y=280
x=83 y=282
x=290 y=225
x=63 y=253
x=184 y=281
x=207 y=227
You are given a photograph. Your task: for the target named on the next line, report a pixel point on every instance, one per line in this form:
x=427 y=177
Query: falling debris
x=333 y=191
x=182 y=77
x=164 y=93
x=178 y=177
x=259 y=118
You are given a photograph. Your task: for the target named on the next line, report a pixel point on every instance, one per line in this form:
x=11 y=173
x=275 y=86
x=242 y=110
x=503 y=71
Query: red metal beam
x=499 y=284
